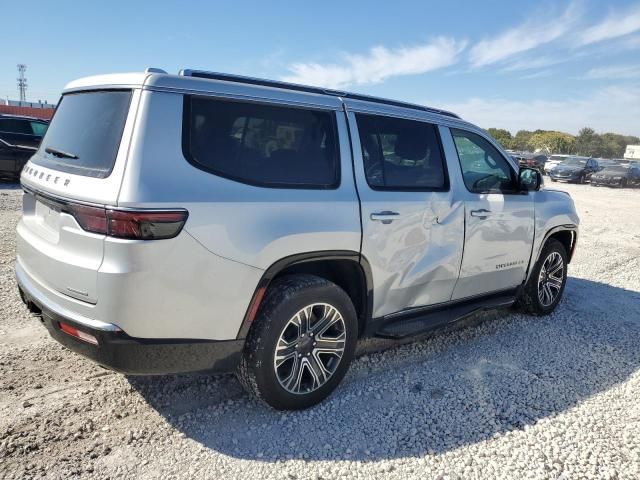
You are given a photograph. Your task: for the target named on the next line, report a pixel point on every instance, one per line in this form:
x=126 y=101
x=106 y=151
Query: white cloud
x=615 y=72
x=378 y=65
x=616 y=25
x=605 y=110
x=532 y=63
x=538 y=30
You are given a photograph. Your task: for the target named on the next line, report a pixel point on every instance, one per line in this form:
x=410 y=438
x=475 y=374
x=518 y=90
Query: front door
x=499 y=218
x=412 y=226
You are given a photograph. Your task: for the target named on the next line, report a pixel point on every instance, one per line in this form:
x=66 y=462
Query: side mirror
x=529 y=180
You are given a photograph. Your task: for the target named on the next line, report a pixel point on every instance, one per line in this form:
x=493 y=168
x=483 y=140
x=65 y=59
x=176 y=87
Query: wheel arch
x=565 y=234
x=347 y=269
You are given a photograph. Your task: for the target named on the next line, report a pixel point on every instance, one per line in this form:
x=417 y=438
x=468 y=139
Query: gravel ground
x=510 y=397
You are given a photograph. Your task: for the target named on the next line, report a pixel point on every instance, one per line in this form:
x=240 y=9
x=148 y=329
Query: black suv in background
x=19 y=139
x=575 y=169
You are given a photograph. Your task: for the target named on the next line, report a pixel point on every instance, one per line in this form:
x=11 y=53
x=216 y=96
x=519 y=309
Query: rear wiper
x=60 y=153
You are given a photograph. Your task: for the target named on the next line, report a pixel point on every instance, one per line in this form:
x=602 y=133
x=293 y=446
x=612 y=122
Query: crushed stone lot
x=510 y=396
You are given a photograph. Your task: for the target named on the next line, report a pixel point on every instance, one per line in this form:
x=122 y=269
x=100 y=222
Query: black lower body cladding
x=118 y=351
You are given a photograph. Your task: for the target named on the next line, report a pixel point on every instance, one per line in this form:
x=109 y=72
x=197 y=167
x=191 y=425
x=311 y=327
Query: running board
x=418 y=321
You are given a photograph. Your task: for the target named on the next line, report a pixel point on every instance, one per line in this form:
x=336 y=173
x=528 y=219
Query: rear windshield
x=85 y=133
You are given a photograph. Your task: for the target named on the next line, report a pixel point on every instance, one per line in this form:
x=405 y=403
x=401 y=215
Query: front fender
x=554 y=212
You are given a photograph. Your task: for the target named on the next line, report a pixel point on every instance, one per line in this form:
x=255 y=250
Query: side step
x=416 y=321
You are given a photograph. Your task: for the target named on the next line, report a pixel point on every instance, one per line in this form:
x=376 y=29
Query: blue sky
x=506 y=63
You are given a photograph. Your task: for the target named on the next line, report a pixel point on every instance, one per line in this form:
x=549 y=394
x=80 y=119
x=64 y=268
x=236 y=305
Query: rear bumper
x=120 y=352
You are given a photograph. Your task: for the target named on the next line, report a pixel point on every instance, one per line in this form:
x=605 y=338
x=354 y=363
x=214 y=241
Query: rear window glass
x=263 y=145
x=38 y=128
x=84 y=135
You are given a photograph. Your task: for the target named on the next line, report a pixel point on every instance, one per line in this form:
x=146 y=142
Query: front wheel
x=301 y=343
x=545 y=286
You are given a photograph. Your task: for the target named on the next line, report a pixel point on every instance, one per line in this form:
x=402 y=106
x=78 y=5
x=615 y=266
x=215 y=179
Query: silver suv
x=210 y=222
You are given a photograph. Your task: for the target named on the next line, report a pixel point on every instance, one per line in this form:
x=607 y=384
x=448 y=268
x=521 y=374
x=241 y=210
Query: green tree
x=589 y=143
x=552 y=142
x=502 y=136
x=521 y=140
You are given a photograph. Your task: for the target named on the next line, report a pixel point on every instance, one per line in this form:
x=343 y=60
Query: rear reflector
x=74 y=332
x=129 y=224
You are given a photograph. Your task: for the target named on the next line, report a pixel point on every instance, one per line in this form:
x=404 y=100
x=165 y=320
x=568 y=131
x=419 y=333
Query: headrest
x=411 y=145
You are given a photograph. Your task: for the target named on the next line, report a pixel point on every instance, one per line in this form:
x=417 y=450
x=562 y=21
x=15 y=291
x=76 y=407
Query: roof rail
x=227 y=77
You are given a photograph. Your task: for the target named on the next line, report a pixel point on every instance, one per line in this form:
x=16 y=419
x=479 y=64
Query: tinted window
x=88 y=126
x=14 y=125
x=401 y=154
x=38 y=128
x=263 y=145
x=484 y=169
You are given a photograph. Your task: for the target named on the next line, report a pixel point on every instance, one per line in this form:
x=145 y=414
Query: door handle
x=385 y=217
x=482 y=213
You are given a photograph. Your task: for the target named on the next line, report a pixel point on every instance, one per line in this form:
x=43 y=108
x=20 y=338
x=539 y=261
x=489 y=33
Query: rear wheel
x=583 y=179
x=544 y=289
x=301 y=343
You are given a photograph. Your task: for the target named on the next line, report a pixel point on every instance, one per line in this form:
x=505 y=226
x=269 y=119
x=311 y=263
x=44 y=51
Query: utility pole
x=22 y=82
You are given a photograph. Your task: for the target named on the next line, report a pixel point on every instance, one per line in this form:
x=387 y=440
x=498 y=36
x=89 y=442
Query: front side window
x=484 y=169
x=263 y=145
x=401 y=154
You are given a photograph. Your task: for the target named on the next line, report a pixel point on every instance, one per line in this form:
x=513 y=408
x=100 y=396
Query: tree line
x=587 y=142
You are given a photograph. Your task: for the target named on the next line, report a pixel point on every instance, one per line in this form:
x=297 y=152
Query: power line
x=22 y=82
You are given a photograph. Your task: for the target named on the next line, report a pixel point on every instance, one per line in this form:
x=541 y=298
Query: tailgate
x=56 y=251
x=80 y=162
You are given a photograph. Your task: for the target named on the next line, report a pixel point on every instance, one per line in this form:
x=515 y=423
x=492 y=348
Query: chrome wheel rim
x=550 y=279
x=310 y=348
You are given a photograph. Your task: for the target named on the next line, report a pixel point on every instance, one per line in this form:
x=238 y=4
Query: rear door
x=499 y=219
x=412 y=227
x=80 y=160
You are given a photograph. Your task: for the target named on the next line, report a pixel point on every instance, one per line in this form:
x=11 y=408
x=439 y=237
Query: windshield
x=575 y=161
x=84 y=135
x=557 y=157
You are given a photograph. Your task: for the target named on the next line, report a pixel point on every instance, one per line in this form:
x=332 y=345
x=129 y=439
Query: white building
x=632 y=152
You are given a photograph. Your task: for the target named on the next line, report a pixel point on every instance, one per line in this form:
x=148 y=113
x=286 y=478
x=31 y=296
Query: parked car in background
x=574 y=169
x=531 y=160
x=617 y=176
x=554 y=161
x=19 y=139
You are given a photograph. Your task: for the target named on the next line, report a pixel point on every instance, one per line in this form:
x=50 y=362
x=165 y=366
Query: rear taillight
x=129 y=224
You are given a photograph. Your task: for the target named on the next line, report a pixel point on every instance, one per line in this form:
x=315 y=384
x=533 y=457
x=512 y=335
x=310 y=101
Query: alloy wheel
x=310 y=348
x=550 y=279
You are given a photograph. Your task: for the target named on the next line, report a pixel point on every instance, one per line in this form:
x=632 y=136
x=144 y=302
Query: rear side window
x=14 y=125
x=401 y=154
x=84 y=135
x=263 y=145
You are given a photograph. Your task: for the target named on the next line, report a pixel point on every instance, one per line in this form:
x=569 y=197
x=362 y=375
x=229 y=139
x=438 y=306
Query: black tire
x=530 y=301
x=287 y=297
x=553 y=179
x=583 y=179
x=623 y=183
